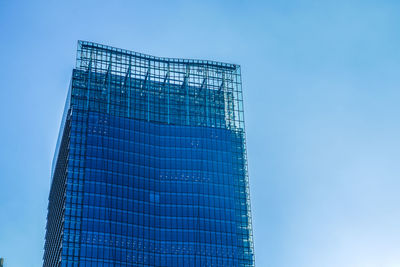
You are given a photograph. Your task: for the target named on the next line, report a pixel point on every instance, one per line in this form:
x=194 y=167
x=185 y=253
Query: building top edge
x=216 y=64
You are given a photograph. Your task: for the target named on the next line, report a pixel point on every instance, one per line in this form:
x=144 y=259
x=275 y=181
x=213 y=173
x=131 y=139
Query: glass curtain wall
x=150 y=168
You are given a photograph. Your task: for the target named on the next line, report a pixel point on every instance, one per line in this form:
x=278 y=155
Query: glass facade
x=150 y=166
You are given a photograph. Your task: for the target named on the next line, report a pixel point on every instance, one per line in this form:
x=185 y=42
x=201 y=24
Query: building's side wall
x=56 y=207
x=74 y=188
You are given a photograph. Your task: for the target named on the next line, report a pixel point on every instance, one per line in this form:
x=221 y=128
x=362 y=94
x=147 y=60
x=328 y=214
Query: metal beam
x=107 y=80
x=146 y=76
x=89 y=79
x=205 y=95
x=145 y=83
x=128 y=79
x=166 y=78
x=203 y=84
x=108 y=72
x=128 y=74
x=185 y=84
x=165 y=82
x=221 y=87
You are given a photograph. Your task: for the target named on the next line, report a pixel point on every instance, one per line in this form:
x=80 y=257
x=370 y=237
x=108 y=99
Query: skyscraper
x=150 y=165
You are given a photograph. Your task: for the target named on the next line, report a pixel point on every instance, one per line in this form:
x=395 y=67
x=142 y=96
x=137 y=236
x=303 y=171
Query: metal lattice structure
x=177 y=91
x=165 y=133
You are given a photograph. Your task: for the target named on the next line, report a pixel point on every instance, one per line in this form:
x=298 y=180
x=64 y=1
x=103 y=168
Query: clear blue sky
x=321 y=83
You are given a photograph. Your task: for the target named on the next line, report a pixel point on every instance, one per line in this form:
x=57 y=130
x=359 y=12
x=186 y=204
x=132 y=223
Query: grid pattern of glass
x=150 y=168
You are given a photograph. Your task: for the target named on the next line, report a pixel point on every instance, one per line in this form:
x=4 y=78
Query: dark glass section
x=151 y=169
x=55 y=217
